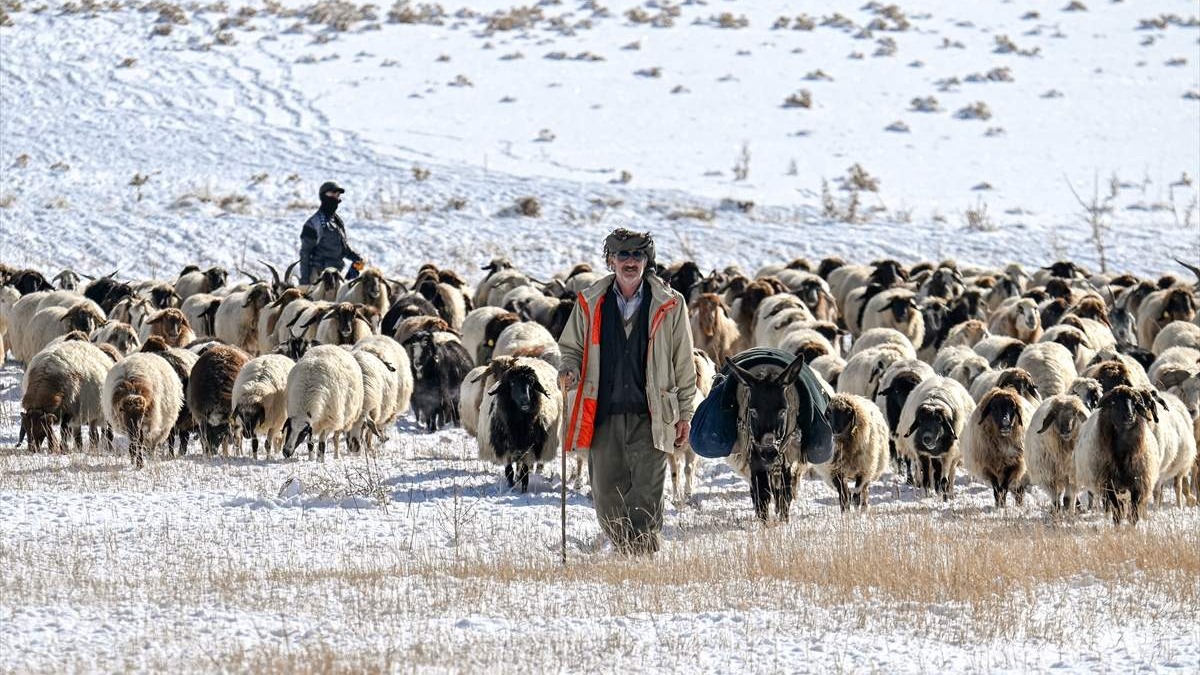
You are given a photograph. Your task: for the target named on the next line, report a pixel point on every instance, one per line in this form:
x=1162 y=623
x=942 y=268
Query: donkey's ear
x=788 y=375
x=744 y=376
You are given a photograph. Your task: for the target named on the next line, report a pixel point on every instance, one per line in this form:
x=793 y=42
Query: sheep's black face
x=932 y=431
x=841 y=418
x=933 y=314
x=523 y=387
x=1180 y=306
x=810 y=293
x=1113 y=376
x=559 y=317
x=216 y=276
x=1003 y=412
x=162 y=297
x=901 y=307
x=39 y=427
x=896 y=395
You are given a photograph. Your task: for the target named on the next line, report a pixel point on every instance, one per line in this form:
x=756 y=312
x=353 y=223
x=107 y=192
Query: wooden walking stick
x=563 y=451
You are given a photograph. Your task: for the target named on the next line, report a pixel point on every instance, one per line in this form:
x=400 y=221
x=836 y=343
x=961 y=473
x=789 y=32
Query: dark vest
x=623 y=358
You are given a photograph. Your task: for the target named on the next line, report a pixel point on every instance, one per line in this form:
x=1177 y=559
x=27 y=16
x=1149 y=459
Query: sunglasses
x=626 y=255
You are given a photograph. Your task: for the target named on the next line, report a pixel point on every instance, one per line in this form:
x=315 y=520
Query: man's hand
x=682 y=429
x=359 y=265
x=567 y=380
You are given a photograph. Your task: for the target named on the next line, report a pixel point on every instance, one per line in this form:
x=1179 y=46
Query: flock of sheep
x=1074 y=382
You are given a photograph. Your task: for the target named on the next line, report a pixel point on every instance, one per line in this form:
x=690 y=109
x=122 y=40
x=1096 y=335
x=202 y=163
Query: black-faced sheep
x=993 y=443
x=896 y=308
x=259 y=400
x=860 y=448
x=324 y=399
x=519 y=419
x=1161 y=308
x=933 y=419
x=1117 y=453
x=480 y=330
x=236 y=322
x=142 y=399
x=192 y=281
x=439 y=366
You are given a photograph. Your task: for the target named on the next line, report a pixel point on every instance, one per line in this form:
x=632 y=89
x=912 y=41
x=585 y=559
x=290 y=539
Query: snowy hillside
x=143 y=136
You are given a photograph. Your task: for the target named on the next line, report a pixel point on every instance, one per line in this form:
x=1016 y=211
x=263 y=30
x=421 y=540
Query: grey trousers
x=628 y=476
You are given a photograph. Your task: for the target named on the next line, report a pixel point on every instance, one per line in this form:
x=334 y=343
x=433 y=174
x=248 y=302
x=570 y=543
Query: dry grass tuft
x=529 y=207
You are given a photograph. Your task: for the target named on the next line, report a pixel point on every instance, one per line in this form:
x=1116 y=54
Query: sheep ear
x=911 y=430
x=494 y=389
x=987 y=409
x=1046 y=424
x=1172 y=378
x=484 y=373
x=537 y=386
x=156 y=318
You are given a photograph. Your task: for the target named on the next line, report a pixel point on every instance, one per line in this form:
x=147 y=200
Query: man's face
x=629 y=265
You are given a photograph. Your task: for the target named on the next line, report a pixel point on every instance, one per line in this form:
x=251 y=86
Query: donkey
x=768 y=450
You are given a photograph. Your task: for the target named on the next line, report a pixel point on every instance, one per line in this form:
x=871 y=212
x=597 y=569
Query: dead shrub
x=529 y=207
x=799 y=99
x=976 y=111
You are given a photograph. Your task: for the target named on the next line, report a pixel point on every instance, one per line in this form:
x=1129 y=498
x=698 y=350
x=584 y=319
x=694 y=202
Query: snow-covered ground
x=125 y=148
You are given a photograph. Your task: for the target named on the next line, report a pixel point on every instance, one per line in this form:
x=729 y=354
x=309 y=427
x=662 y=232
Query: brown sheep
x=713 y=331
x=1117 y=453
x=210 y=395
x=993 y=443
x=172 y=326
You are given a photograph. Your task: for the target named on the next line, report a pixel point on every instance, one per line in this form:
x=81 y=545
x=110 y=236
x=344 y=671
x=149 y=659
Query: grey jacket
x=670 y=371
x=323 y=244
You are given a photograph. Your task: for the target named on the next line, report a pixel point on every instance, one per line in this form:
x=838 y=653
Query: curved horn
x=1195 y=270
x=274 y=272
x=251 y=276
x=287 y=274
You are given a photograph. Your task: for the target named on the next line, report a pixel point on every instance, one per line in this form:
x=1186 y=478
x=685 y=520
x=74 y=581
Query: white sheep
x=260 y=400
x=236 y=321
x=966 y=334
x=201 y=310
x=376 y=381
x=829 y=368
x=1173 y=366
x=1051 y=366
x=343 y=324
x=1160 y=308
x=1017 y=318
x=1000 y=351
x=863 y=370
x=682 y=490
x=398 y=393
x=54 y=321
x=860 y=449
x=498 y=285
x=1177 y=334
x=474 y=329
x=1176 y=446
x=1050 y=442
x=8 y=298
x=527 y=338
x=883 y=336
x=324 y=399
x=774 y=317
x=142 y=398
x=63 y=385
x=471 y=397
x=369 y=289
x=1075 y=340
x=118 y=334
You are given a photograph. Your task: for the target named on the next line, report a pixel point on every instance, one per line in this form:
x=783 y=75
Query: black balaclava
x=329 y=204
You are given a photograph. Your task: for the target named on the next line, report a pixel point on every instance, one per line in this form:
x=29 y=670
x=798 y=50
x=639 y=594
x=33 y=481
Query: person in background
x=323 y=240
x=634 y=400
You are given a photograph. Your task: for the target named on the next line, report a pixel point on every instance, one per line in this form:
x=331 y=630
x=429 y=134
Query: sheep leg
x=254 y=447
x=843 y=490
x=508 y=475
x=861 y=491
x=108 y=439
x=337 y=451
x=1179 y=492
x=929 y=476
x=783 y=497
x=93 y=437
x=77 y=437
x=689 y=470
x=321 y=449
x=1137 y=505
